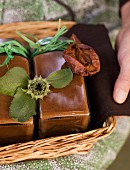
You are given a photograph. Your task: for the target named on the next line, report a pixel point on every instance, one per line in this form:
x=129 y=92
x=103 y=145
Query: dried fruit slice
x=81 y=58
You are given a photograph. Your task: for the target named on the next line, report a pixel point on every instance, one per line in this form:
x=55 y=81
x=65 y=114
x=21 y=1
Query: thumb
x=122 y=85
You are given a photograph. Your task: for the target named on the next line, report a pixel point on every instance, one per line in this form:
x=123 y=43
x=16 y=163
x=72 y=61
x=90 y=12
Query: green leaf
x=14 y=78
x=18 y=50
x=14 y=43
x=12 y=47
x=7 y=50
x=31 y=35
x=31 y=43
x=22 y=107
x=60 y=78
x=53 y=45
x=57 y=35
x=5 y=62
x=2 y=50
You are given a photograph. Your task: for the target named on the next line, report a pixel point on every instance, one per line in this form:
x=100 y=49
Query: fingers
x=122 y=85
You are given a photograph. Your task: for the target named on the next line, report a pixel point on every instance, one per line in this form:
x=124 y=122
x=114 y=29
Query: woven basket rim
x=48 y=148
x=79 y=143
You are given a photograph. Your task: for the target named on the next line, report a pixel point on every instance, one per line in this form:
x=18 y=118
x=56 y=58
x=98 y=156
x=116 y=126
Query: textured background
x=90 y=12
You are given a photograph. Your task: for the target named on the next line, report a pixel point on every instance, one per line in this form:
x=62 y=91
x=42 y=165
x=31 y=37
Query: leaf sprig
x=16 y=83
x=53 y=44
x=10 y=48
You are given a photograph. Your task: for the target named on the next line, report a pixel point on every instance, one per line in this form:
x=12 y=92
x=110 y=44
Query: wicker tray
x=79 y=143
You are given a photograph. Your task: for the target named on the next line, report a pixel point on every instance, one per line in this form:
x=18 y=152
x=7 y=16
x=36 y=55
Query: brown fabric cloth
x=100 y=86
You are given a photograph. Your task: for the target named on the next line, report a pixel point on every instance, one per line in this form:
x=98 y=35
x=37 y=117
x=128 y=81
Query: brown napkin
x=100 y=86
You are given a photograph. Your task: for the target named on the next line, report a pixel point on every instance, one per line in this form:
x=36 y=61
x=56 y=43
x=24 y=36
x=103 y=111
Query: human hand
x=122 y=84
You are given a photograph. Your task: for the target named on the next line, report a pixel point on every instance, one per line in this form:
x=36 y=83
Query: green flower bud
x=38 y=87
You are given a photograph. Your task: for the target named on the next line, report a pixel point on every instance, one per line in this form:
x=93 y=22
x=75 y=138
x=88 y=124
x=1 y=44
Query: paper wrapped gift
x=12 y=131
x=65 y=110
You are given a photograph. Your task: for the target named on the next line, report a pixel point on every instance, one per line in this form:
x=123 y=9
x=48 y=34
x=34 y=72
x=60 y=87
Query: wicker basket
x=53 y=147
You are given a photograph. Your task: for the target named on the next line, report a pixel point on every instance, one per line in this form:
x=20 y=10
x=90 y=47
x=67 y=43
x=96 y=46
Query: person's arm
x=122 y=84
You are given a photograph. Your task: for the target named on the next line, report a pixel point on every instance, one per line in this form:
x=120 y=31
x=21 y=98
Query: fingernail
x=120 y=96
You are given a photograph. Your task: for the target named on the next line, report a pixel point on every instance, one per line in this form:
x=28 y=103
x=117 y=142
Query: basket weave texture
x=53 y=147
